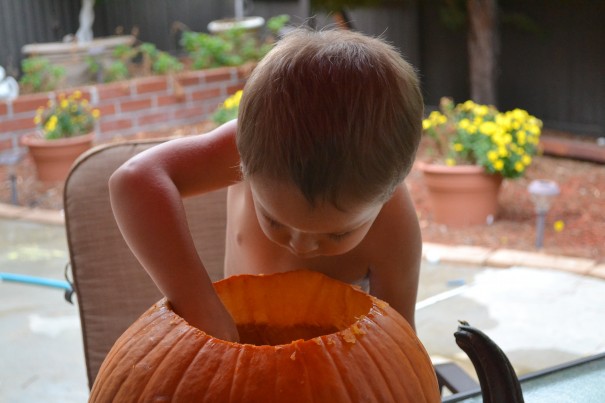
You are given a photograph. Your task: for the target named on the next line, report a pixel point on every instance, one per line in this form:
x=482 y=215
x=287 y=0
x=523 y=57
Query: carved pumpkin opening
x=290 y=310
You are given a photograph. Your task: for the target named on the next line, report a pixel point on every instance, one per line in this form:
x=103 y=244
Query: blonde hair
x=336 y=112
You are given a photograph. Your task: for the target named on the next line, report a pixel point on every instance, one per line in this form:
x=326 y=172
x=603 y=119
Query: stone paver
x=474 y=255
x=41 y=216
x=509 y=257
x=598 y=271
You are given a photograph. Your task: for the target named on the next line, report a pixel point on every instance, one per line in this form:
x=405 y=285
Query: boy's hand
x=214 y=320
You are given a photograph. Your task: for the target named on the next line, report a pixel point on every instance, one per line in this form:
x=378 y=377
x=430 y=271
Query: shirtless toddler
x=328 y=128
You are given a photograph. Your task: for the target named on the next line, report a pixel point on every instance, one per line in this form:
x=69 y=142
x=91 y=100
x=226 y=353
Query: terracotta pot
x=53 y=158
x=462 y=195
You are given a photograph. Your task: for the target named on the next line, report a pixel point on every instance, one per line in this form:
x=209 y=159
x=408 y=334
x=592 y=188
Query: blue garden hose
x=40 y=281
x=45 y=282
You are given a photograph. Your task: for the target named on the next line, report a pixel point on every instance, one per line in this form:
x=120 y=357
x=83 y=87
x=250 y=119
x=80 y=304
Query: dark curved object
x=499 y=383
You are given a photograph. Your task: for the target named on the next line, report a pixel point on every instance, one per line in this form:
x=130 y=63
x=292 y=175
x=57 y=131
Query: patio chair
x=112 y=288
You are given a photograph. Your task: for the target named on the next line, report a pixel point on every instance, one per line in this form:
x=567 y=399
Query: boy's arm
x=395 y=275
x=146 y=197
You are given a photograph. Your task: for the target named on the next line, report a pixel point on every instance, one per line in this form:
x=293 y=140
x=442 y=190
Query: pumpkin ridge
x=124 y=342
x=405 y=345
x=336 y=371
x=203 y=365
x=369 y=352
x=300 y=355
x=392 y=352
x=235 y=371
x=225 y=360
x=150 y=380
x=416 y=346
x=204 y=341
x=143 y=377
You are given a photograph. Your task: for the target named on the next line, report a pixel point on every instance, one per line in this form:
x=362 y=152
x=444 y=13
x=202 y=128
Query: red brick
x=129 y=106
x=29 y=103
x=207 y=93
x=119 y=124
x=190 y=78
x=106 y=109
x=151 y=84
x=114 y=90
x=189 y=112
x=168 y=100
x=218 y=74
x=6 y=144
x=232 y=89
x=17 y=124
x=3 y=108
x=244 y=71
x=154 y=118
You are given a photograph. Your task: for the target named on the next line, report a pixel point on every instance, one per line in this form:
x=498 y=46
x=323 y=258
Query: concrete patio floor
x=539 y=316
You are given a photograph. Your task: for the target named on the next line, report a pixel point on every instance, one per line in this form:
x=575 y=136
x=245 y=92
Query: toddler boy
x=327 y=130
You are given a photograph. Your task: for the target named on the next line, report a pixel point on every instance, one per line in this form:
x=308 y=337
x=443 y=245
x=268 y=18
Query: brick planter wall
x=133 y=106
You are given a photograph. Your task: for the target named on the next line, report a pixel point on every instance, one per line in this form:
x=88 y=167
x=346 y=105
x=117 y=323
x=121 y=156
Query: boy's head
x=337 y=113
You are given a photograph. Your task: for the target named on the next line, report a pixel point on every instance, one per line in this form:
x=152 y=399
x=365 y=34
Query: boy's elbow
x=126 y=179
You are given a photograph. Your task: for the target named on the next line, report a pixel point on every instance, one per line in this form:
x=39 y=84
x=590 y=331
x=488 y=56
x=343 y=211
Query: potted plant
x=65 y=130
x=472 y=148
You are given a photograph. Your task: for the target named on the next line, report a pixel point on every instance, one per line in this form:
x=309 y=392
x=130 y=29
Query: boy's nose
x=302 y=243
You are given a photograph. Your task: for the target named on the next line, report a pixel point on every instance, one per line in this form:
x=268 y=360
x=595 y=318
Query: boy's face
x=288 y=219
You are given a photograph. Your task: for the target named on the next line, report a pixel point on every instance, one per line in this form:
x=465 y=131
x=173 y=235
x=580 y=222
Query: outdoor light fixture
x=542 y=193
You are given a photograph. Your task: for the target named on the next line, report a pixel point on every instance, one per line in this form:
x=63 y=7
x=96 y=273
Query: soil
x=579 y=209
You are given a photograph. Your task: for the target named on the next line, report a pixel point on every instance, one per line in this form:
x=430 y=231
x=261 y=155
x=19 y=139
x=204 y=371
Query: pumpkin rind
x=376 y=357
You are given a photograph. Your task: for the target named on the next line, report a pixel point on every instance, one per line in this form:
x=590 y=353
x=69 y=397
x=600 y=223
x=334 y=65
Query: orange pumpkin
x=304 y=338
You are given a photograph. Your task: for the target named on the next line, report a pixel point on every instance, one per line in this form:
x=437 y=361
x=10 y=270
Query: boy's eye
x=273 y=223
x=338 y=237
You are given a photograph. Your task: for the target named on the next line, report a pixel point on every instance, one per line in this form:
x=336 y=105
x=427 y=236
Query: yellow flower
x=426 y=124
x=488 y=128
x=458 y=147
x=519 y=167
x=498 y=165
x=450 y=162
x=95 y=113
x=492 y=155
x=464 y=123
x=521 y=137
x=64 y=104
x=468 y=105
x=559 y=225
x=520 y=114
x=481 y=110
x=526 y=159
x=51 y=124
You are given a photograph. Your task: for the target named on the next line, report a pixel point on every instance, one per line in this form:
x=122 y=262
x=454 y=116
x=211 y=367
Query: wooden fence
x=555 y=69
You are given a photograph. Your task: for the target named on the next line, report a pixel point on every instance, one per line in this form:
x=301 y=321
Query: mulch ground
x=580 y=206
